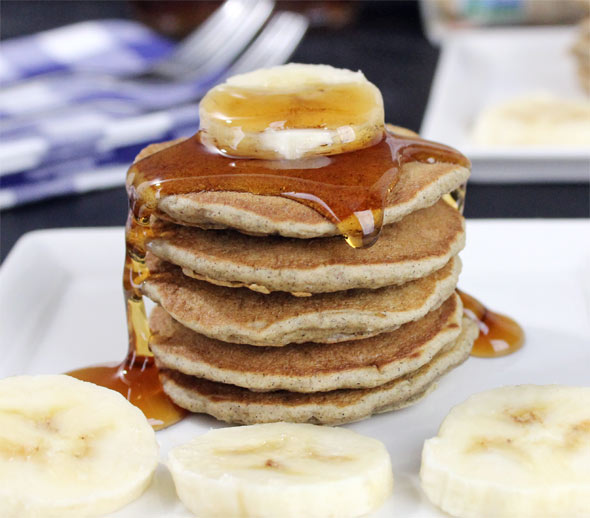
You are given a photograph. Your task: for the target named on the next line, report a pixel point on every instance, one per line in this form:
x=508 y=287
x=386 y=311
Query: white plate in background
x=482 y=67
x=61 y=307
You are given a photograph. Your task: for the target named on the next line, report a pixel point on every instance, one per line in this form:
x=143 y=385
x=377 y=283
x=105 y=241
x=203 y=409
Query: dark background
x=385 y=41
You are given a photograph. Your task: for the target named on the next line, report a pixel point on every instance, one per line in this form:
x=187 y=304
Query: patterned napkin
x=69 y=120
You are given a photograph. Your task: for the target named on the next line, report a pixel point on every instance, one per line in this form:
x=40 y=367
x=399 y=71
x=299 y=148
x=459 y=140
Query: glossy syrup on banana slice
x=309 y=107
x=313 y=120
x=311 y=113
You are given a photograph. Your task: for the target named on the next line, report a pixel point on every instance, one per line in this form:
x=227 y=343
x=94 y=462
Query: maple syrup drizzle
x=136 y=377
x=349 y=189
x=499 y=335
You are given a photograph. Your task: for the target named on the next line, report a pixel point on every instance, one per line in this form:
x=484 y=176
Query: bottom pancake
x=239 y=405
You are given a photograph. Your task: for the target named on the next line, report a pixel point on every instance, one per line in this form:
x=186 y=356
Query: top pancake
x=420 y=185
x=414 y=247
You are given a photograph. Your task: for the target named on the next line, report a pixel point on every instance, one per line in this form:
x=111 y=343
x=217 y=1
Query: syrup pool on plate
x=136 y=377
x=499 y=335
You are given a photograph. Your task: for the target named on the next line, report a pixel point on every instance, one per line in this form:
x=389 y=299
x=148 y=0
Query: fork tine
x=219 y=40
x=293 y=31
x=224 y=48
x=213 y=29
x=234 y=45
x=275 y=43
x=217 y=24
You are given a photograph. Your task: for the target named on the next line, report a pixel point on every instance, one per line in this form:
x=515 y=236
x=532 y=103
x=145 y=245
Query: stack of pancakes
x=266 y=314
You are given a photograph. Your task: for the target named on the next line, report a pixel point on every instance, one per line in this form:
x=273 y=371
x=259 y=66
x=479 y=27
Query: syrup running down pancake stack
x=302 y=255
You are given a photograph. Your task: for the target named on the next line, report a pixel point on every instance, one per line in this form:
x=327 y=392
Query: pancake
x=414 y=247
x=238 y=405
x=245 y=317
x=420 y=185
x=307 y=367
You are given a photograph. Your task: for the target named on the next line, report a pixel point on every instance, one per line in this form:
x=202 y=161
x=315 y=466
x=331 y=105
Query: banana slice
x=520 y=451
x=281 y=469
x=70 y=448
x=292 y=111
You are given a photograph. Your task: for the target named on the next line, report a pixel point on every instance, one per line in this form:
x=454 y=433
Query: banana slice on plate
x=281 y=469
x=70 y=448
x=292 y=111
x=521 y=451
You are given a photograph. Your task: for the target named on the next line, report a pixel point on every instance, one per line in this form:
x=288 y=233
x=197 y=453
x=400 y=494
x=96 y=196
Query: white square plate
x=479 y=68
x=61 y=307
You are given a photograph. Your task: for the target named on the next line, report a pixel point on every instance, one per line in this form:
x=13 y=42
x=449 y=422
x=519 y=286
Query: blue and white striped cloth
x=69 y=122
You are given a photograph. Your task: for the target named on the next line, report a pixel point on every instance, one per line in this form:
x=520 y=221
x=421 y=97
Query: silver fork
x=217 y=42
x=274 y=45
